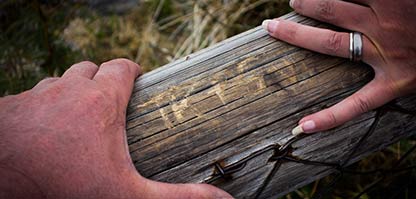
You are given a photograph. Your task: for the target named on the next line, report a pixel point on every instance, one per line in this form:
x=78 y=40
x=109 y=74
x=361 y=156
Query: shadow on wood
x=224 y=116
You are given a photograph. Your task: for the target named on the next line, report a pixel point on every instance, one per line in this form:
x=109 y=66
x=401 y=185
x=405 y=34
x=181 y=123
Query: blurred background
x=42 y=38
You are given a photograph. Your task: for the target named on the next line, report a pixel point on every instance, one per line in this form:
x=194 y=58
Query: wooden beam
x=224 y=116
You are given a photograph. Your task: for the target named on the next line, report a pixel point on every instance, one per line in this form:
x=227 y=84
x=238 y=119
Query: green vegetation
x=41 y=38
x=31 y=46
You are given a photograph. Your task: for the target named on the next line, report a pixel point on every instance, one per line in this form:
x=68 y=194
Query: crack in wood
x=224 y=110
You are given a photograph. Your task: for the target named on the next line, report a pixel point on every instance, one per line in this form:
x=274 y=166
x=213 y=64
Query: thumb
x=371 y=96
x=156 y=189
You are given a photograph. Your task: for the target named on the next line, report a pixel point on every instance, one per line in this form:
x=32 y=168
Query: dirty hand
x=389 y=46
x=65 y=138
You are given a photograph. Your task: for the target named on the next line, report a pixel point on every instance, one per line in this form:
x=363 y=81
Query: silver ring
x=356 y=46
x=351 y=46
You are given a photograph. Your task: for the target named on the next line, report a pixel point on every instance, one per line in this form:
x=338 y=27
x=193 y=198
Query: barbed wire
x=282 y=154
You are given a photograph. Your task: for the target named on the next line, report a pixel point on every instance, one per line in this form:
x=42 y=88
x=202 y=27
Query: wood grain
x=231 y=103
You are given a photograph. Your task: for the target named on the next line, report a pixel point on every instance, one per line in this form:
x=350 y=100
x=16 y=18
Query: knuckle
x=87 y=63
x=51 y=91
x=96 y=95
x=47 y=84
x=96 y=106
x=298 y=5
x=111 y=93
x=361 y=105
x=331 y=119
x=332 y=44
x=123 y=65
x=325 y=10
x=48 y=80
x=44 y=84
x=289 y=34
x=80 y=68
x=97 y=99
x=84 y=65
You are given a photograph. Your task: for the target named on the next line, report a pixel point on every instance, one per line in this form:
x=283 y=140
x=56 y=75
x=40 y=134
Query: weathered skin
x=65 y=138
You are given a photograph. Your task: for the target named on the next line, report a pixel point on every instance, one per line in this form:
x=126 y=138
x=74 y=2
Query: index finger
x=371 y=96
x=117 y=76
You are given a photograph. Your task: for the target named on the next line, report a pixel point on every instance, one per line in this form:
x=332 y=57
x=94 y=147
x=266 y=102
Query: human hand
x=389 y=39
x=65 y=138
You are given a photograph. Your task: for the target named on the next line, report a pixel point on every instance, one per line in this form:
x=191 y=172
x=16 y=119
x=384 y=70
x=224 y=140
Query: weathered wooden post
x=224 y=116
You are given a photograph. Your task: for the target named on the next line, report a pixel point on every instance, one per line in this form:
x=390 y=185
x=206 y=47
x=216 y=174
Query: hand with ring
x=383 y=35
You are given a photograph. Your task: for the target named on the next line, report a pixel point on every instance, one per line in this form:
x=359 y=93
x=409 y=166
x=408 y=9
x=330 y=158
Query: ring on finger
x=356 y=46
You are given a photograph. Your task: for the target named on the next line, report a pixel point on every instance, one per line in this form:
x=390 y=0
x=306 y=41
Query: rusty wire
x=283 y=154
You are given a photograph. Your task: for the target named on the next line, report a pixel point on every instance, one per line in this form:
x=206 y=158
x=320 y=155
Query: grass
x=43 y=38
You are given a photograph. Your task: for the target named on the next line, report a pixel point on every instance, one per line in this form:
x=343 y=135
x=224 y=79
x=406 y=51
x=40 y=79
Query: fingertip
x=371 y=96
x=297 y=130
x=270 y=26
x=303 y=120
x=265 y=24
x=308 y=126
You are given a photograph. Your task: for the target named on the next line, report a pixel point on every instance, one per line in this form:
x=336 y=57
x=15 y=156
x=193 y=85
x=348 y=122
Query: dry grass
x=153 y=33
x=158 y=34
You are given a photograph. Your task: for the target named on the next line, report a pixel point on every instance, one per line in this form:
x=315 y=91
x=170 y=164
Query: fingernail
x=265 y=24
x=304 y=127
x=297 y=130
x=270 y=25
x=308 y=126
x=291 y=3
